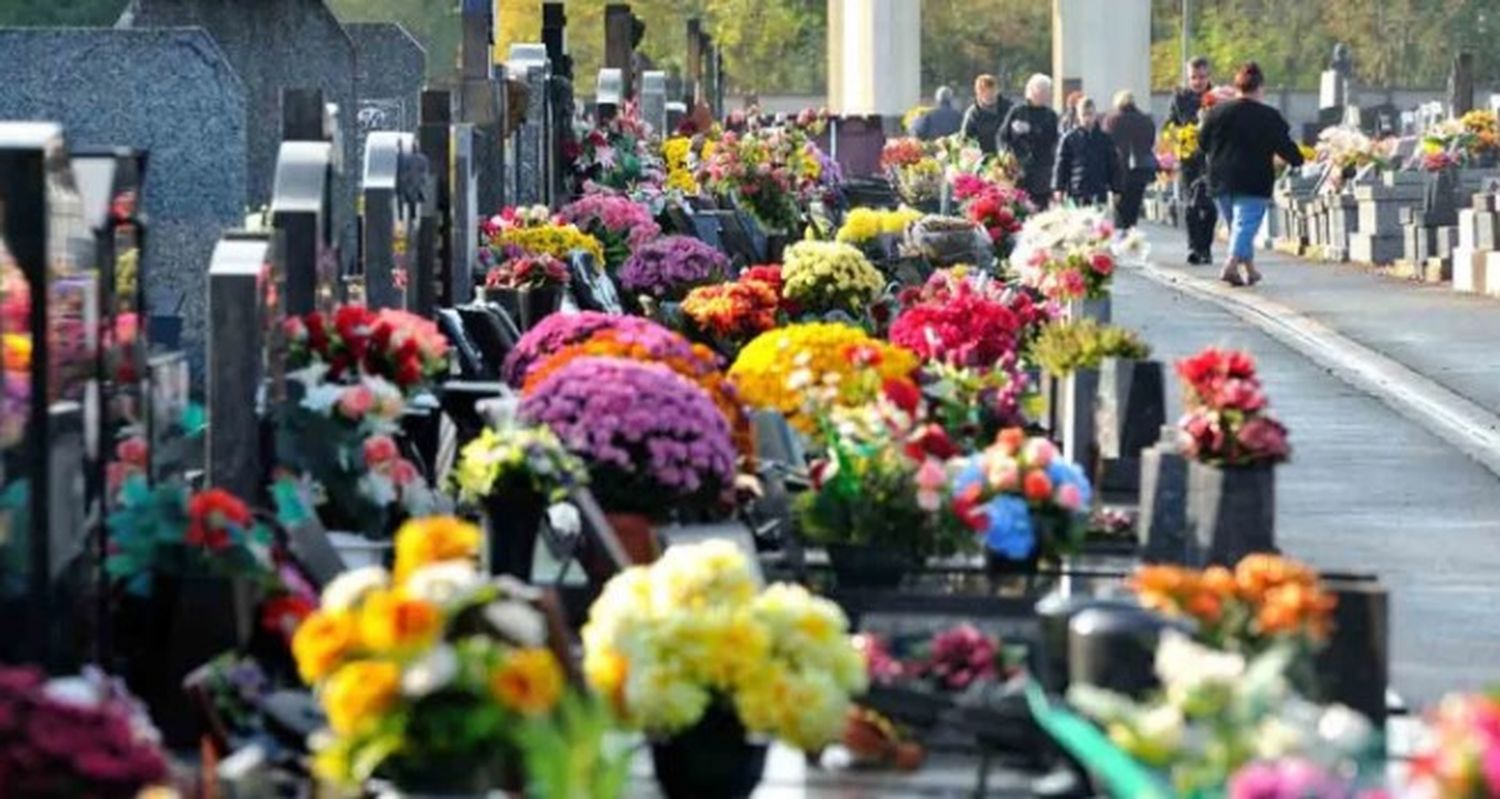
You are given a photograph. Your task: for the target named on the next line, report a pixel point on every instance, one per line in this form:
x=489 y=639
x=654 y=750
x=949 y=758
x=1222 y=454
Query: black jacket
x=1135 y=139
x=982 y=124
x=1087 y=167
x=1239 y=138
x=1185 y=106
x=1030 y=133
x=937 y=123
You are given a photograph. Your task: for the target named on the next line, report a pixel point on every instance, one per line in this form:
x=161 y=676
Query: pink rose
x=379 y=449
x=403 y=472
x=356 y=401
x=1039 y=453
x=1102 y=263
x=1069 y=497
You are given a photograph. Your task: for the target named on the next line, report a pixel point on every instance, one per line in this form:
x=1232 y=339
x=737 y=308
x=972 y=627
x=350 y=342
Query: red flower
x=902 y=393
x=1102 y=263
x=966 y=505
x=1037 y=486
x=283 y=613
x=863 y=355
x=210 y=515
x=379 y=450
x=931 y=439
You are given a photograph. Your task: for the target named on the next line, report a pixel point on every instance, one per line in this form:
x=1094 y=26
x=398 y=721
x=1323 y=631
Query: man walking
x=1134 y=137
x=944 y=120
x=1192 y=187
x=1030 y=133
x=982 y=120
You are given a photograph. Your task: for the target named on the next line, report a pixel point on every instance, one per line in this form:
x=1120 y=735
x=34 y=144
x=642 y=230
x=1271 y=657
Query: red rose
x=1102 y=263
x=210 y=513
x=902 y=393
x=1037 y=486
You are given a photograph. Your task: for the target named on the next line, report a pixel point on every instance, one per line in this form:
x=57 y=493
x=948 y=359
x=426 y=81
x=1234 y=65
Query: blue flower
x=1010 y=533
x=1062 y=472
x=968 y=475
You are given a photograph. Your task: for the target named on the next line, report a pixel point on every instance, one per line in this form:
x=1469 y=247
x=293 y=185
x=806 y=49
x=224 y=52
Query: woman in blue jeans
x=1241 y=138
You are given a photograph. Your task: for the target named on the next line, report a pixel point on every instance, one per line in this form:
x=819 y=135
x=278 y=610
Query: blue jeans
x=1243 y=214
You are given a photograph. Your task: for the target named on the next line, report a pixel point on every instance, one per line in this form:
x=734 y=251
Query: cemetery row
x=751 y=481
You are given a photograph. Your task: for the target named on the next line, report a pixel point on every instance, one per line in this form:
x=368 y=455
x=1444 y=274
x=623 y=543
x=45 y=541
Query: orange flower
x=1206 y=607
x=1038 y=486
x=1218 y=580
x=389 y=622
x=1256 y=574
x=1295 y=608
x=421 y=542
x=529 y=682
x=320 y=642
x=1011 y=439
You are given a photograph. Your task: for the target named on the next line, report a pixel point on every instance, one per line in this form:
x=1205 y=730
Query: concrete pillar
x=1101 y=47
x=874 y=56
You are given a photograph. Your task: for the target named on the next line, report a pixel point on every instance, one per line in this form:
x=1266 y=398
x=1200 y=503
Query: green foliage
x=149 y=532
x=572 y=754
x=1065 y=347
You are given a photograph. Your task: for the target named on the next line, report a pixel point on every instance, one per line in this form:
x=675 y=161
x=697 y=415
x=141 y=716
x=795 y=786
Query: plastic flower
x=669 y=268
x=1227 y=421
x=733 y=312
x=1055 y=253
x=829 y=276
x=963 y=328
x=527 y=272
x=528 y=682
x=321 y=641
x=391 y=622
x=529 y=455
x=772 y=370
x=358 y=693
x=618 y=222
x=1022 y=498
x=421 y=542
x=1264 y=599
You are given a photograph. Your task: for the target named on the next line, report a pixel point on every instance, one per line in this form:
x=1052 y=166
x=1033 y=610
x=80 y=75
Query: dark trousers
x=1201 y=217
x=1128 y=206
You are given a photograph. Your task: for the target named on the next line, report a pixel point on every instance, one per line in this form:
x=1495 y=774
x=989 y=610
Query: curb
x=1469 y=427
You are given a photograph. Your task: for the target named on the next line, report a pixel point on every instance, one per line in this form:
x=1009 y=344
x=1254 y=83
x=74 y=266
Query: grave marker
x=390 y=70
x=531 y=148
x=301 y=208
x=389 y=222
x=654 y=101
x=241 y=279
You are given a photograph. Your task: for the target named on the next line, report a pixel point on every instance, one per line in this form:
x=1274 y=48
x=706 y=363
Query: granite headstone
x=171 y=93
x=390 y=70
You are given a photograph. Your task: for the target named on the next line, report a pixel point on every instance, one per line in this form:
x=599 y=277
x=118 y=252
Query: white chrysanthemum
x=430 y=673
x=517 y=622
x=348 y=589
x=446 y=583
x=661 y=700
x=1184 y=665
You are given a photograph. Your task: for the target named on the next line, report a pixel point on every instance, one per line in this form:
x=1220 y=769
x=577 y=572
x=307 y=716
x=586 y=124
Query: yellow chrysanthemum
x=558 y=241
x=864 y=224
x=357 y=694
x=390 y=623
x=823 y=276
x=321 y=641
x=433 y=539
x=529 y=682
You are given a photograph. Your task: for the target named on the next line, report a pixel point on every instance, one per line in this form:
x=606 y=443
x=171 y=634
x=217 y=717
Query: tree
x=965 y=38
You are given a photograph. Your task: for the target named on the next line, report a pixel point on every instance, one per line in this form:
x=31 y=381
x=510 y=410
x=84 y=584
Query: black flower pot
x=513 y=518
x=1231 y=512
x=527 y=306
x=710 y=760
x=998 y=567
x=868 y=566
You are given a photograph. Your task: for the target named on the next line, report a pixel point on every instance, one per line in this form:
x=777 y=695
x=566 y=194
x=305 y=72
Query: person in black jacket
x=1134 y=135
x=1197 y=204
x=944 y=120
x=1030 y=134
x=1241 y=138
x=982 y=120
x=1087 y=167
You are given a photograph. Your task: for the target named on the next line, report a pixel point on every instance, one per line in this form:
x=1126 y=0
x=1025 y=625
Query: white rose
x=518 y=622
x=444 y=583
x=349 y=588
x=430 y=673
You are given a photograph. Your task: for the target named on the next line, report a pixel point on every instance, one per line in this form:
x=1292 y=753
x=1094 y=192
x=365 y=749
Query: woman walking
x=1135 y=141
x=1241 y=138
x=1087 y=169
x=1030 y=134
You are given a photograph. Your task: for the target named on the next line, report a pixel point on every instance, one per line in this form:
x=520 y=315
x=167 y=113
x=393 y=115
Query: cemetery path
x=1367 y=489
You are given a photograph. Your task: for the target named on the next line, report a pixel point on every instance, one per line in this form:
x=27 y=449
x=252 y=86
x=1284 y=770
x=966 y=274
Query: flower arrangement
x=1483 y=128
x=772 y=170
x=1264 y=601
x=517 y=453
x=961 y=325
x=668 y=268
x=973 y=405
x=812 y=353
x=1068 y=253
x=557 y=331
x=676 y=153
x=76 y=736
x=1459 y=758
x=913 y=169
x=951 y=660
x=171 y=530
x=654 y=441
x=1066 y=346
x=620 y=224
x=1181 y=141
x=1022 y=497
x=527 y=273
x=1227 y=422
x=517 y=231
x=862 y=225
x=1219 y=712
x=651 y=343
x=355 y=342
x=618 y=154
x=425 y=675
x=822 y=277
x=770 y=274
x=1001 y=212
x=666 y=642
x=730 y=314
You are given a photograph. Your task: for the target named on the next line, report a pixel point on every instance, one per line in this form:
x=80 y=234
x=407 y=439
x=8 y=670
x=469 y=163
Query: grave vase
x=868 y=565
x=513 y=515
x=713 y=758
x=637 y=536
x=1231 y=512
x=527 y=306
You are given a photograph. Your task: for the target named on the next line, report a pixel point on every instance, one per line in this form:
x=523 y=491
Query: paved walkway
x=1368 y=489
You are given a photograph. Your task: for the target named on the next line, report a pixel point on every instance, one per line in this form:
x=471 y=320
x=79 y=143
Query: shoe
x=1252 y=275
x=1231 y=273
x=1194 y=260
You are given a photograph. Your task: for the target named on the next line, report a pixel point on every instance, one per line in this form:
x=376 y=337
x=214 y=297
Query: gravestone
x=692 y=83
x=241 y=278
x=458 y=282
x=272 y=45
x=560 y=89
x=531 y=144
x=1461 y=85
x=171 y=93
x=435 y=138
x=389 y=223
x=1333 y=87
x=1379 y=238
x=654 y=100
x=609 y=94
x=1478 y=246
x=481 y=99
x=301 y=208
x=622 y=32
x=390 y=70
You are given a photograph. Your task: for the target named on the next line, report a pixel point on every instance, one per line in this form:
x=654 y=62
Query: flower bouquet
x=772 y=171
x=76 y=736
x=1459 y=755
x=651 y=343
x=654 y=441
x=729 y=315
x=528 y=273
x=874 y=230
x=1001 y=212
x=1066 y=254
x=620 y=224
x=1265 y=601
x=1026 y=502
x=1227 y=423
x=914 y=172
x=1067 y=346
x=774 y=370
x=667 y=269
x=518 y=231
x=824 y=277
x=169 y=531
x=960 y=323
x=678 y=153
x=617 y=154
x=426 y=676
x=355 y=342
x=691 y=652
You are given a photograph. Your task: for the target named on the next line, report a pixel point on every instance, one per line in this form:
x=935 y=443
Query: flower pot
x=1131 y=409
x=1161 y=528
x=527 y=306
x=513 y=519
x=357 y=551
x=711 y=759
x=1231 y=512
x=868 y=566
x=1075 y=417
x=1099 y=310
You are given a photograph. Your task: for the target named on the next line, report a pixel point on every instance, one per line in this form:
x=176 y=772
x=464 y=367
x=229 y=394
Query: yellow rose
x=320 y=642
x=390 y=622
x=421 y=542
x=529 y=682
x=360 y=692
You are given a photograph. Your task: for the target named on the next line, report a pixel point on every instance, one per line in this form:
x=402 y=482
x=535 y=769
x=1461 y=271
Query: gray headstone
x=654 y=100
x=273 y=45
x=390 y=70
x=458 y=283
x=171 y=93
x=300 y=209
x=528 y=63
x=239 y=278
x=388 y=221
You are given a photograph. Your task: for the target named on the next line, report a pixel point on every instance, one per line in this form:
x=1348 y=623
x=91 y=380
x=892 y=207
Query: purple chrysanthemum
x=669 y=268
